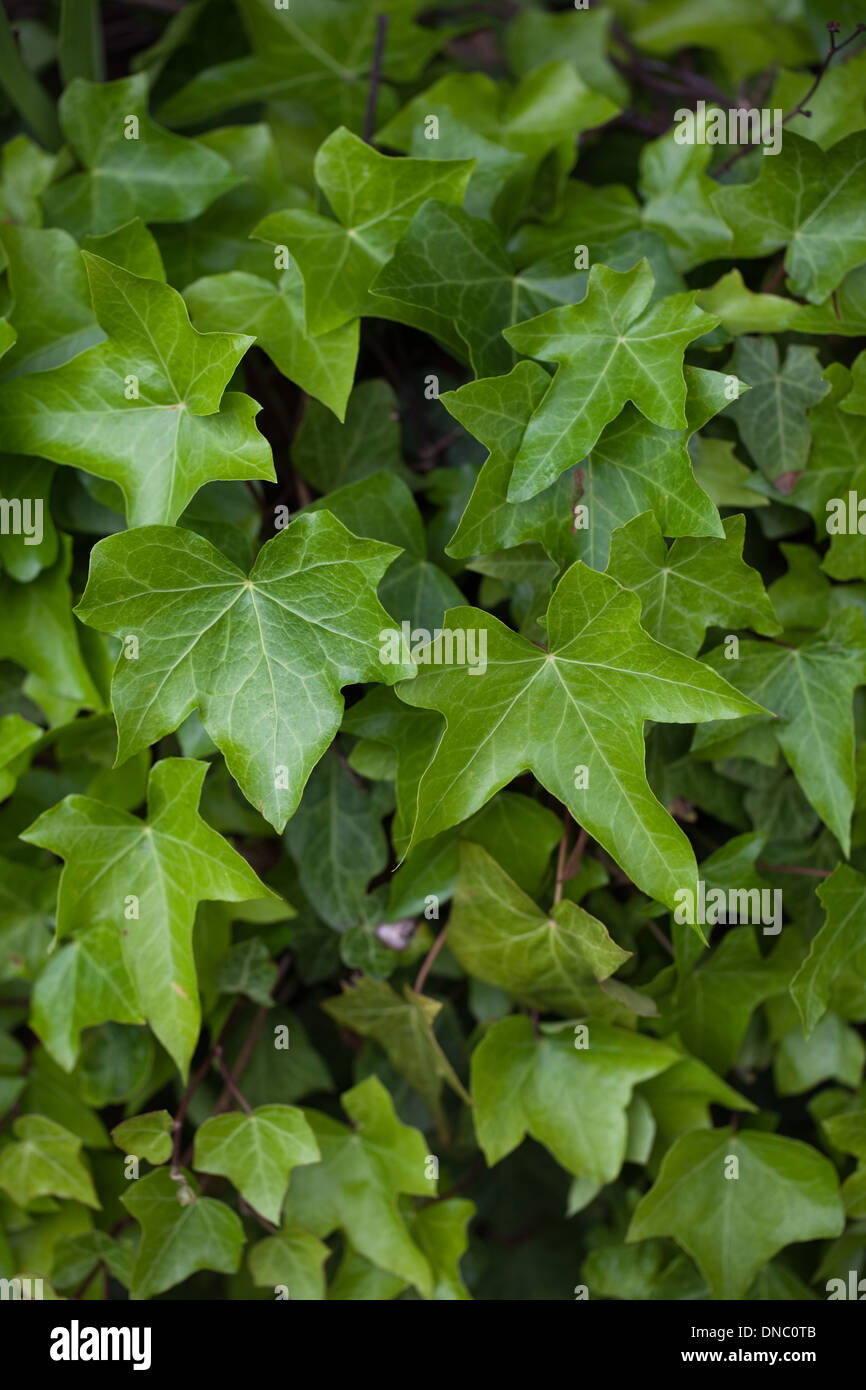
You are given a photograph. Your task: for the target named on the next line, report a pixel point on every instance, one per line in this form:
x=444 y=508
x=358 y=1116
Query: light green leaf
x=82 y=985
x=44 y=1159
x=732 y=1224
x=148 y=875
x=292 y=1258
x=257 y=1152
x=181 y=1232
x=839 y=944
x=146 y=1136
x=305 y=623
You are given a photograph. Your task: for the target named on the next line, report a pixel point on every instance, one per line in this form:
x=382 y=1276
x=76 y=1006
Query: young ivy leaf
x=809 y=200
x=134 y=168
x=836 y=467
x=733 y=1219
x=555 y=962
x=44 y=1159
x=181 y=1232
x=811 y=688
x=145 y=878
x=146 y=1136
x=404 y=1028
x=357 y=1184
x=373 y=198
x=634 y=466
x=695 y=584
x=84 y=984
x=573 y=715
x=615 y=346
x=257 y=1152
x=294 y=1258
x=573 y=1100
x=324 y=367
x=147 y=408
x=262 y=658
x=839 y=945
x=771 y=417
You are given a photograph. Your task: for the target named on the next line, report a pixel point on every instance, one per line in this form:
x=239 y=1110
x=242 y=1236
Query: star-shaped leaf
x=181 y=1232
x=572 y=1099
x=357 y=1184
x=574 y=715
x=373 y=198
x=133 y=167
x=615 y=346
x=145 y=878
x=836 y=467
x=691 y=586
x=807 y=200
x=771 y=417
x=634 y=466
x=262 y=658
x=257 y=1152
x=44 y=1159
x=146 y=409
x=811 y=688
x=733 y=1221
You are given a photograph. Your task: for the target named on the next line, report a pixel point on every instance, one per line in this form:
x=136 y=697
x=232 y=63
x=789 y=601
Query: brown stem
x=429 y=959
x=239 y=1097
x=793 y=869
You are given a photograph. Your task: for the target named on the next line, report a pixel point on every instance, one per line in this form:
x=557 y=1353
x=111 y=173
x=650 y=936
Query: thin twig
x=239 y=1097
x=429 y=959
x=793 y=869
x=382 y=21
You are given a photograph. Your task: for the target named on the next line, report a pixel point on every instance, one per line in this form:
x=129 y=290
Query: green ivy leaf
x=149 y=874
x=45 y=1159
x=257 y=1152
x=146 y=1136
x=181 y=1232
x=783 y=1192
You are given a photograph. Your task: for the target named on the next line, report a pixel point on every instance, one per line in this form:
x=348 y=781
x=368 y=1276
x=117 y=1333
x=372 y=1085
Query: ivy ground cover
x=433 y=650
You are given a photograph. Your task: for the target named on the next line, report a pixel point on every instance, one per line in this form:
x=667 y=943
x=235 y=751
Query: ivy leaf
x=455 y=268
x=292 y=1258
x=181 y=1232
x=146 y=1136
x=37 y=630
x=274 y=315
x=332 y=455
x=373 y=199
x=257 y=1152
x=44 y=1159
x=555 y=962
x=810 y=688
x=337 y=841
x=611 y=348
x=805 y=199
x=51 y=307
x=784 y=1192
x=691 y=586
x=404 y=1028
x=573 y=1100
x=314 y=53
x=149 y=875
x=84 y=984
x=356 y=1185
x=305 y=623
x=834 y=469
x=580 y=705
x=838 y=945
x=677 y=193
x=772 y=416
x=714 y=1004
x=27 y=898
x=634 y=466
x=134 y=167
x=179 y=430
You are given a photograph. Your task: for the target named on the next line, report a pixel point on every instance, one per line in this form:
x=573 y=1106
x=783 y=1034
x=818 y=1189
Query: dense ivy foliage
x=432 y=649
